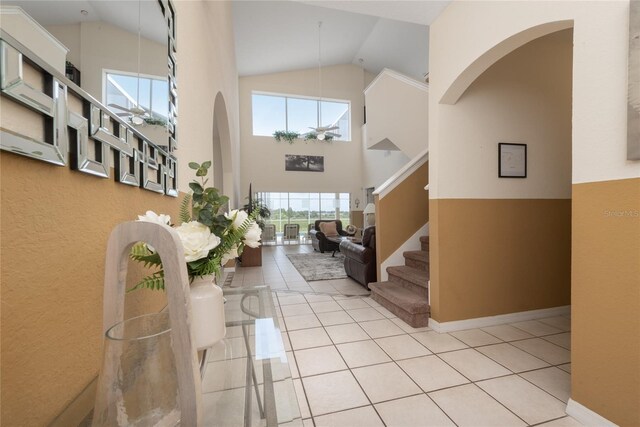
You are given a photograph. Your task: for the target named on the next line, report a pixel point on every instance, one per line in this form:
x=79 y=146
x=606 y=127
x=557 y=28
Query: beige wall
x=599 y=66
x=98 y=46
x=400 y=213
x=263 y=157
x=498 y=256
x=605 y=339
x=398 y=109
x=510 y=253
x=69 y=35
x=523 y=98
x=54 y=225
x=604 y=250
x=379 y=165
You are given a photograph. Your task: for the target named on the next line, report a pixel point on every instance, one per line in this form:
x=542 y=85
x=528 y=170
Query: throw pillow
x=329 y=229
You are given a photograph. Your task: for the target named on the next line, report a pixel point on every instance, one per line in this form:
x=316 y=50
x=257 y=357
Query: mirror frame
x=85 y=141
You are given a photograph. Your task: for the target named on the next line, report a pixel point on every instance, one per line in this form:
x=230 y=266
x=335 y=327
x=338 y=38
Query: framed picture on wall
x=512 y=160
x=299 y=163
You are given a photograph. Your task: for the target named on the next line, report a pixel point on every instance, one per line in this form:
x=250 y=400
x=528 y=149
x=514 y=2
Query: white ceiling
x=121 y=13
x=276 y=36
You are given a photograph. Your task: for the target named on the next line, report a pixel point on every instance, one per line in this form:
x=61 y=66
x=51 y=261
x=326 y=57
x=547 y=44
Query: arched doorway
x=221 y=145
x=492 y=234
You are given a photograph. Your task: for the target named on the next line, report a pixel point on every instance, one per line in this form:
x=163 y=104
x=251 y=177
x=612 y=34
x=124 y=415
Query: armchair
x=319 y=240
x=360 y=260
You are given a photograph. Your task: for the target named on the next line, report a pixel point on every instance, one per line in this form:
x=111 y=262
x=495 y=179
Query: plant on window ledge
x=290 y=137
x=155 y=121
x=281 y=135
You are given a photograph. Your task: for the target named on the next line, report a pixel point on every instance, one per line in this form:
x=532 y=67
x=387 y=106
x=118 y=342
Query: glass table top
x=246 y=377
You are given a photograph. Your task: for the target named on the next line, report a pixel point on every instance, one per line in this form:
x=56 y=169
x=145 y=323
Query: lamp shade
x=369 y=209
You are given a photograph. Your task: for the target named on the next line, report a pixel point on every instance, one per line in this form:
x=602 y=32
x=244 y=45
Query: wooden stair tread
x=424 y=239
x=410 y=274
x=409 y=300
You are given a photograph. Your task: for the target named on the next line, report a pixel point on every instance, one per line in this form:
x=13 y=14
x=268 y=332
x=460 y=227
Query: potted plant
x=257 y=209
x=210 y=237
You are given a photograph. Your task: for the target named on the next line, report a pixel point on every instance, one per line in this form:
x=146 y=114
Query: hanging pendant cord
x=139 y=30
x=319 y=74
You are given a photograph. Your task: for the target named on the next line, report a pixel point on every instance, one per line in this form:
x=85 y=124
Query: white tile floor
x=356 y=364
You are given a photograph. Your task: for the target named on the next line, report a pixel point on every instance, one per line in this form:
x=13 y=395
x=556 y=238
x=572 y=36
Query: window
x=305 y=208
x=279 y=112
x=122 y=89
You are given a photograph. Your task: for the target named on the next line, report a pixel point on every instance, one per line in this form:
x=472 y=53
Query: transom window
x=297 y=114
x=121 y=88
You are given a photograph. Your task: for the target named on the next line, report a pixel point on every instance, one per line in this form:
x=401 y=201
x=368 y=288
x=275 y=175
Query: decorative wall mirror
x=113 y=90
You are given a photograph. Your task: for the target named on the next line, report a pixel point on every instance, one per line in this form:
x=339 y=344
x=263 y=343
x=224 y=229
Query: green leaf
x=201 y=172
x=206 y=217
x=184 y=209
x=211 y=192
x=194 y=165
x=153 y=282
x=206 y=164
x=196 y=187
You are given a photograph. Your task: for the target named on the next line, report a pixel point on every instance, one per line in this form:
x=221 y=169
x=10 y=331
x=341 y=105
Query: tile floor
x=355 y=364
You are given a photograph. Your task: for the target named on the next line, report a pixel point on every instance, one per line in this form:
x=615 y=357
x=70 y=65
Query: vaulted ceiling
x=276 y=36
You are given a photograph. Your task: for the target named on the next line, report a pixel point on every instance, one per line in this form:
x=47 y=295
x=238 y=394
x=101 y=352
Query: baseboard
x=481 y=322
x=586 y=416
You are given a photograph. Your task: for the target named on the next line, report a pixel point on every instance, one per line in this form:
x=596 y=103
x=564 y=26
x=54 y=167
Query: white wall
x=206 y=55
x=599 y=78
x=523 y=98
x=263 y=157
x=98 y=46
x=379 y=165
x=398 y=110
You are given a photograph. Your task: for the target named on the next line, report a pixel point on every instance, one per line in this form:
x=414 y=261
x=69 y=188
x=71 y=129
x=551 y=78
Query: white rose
x=253 y=235
x=238 y=217
x=197 y=240
x=232 y=254
x=151 y=216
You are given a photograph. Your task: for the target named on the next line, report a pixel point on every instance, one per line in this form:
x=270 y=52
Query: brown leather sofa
x=319 y=240
x=360 y=260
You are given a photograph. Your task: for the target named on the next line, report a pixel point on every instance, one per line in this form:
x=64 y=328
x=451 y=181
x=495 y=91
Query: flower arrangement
x=210 y=237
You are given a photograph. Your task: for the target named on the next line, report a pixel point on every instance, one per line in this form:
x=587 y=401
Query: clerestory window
x=273 y=112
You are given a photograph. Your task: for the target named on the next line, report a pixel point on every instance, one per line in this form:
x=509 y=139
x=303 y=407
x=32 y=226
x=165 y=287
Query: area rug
x=317 y=266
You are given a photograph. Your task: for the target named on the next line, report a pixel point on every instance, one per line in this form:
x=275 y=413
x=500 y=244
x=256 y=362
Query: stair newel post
x=168 y=245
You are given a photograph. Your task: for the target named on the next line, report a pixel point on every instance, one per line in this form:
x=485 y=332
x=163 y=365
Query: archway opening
x=221 y=147
x=503 y=244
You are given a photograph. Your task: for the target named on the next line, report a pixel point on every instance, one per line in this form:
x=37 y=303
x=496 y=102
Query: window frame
x=106 y=71
x=286 y=109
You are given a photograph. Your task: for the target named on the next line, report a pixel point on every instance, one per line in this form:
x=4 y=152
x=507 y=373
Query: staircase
x=406 y=293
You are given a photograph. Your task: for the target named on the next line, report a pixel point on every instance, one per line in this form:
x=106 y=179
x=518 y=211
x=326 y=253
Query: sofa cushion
x=329 y=229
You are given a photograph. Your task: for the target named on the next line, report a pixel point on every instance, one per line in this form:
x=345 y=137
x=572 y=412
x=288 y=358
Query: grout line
x=536 y=385
x=410 y=334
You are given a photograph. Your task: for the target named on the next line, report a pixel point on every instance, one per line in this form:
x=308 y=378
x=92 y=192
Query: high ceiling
x=121 y=13
x=276 y=36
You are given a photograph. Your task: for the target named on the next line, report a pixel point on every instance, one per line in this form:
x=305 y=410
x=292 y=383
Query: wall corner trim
x=481 y=322
x=586 y=416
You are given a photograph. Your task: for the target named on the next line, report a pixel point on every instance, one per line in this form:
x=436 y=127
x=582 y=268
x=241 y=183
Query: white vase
x=207 y=312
